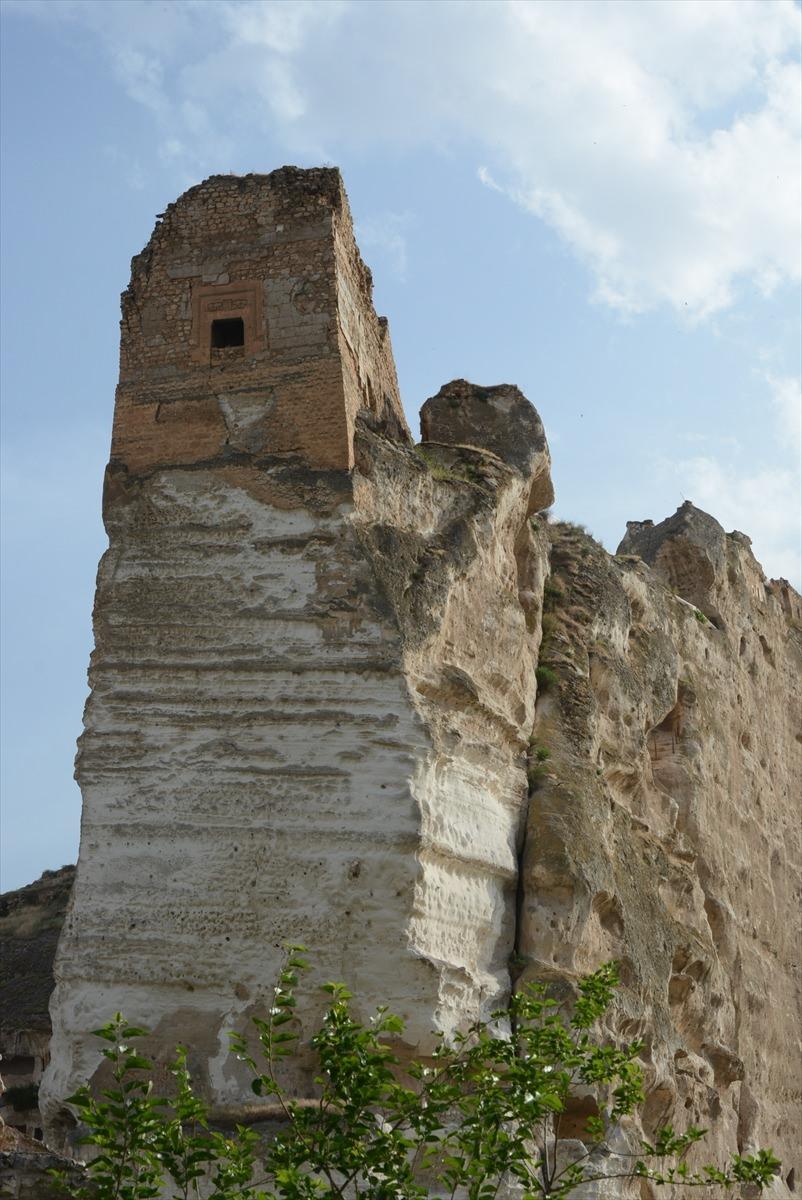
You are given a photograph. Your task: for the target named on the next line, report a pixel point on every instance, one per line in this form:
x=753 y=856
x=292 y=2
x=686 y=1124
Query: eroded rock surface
x=664 y=829
x=499 y=419
x=25 y=1166
x=446 y=533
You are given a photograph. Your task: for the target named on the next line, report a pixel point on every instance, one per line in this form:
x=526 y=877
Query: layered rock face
x=315 y=712
x=312 y=687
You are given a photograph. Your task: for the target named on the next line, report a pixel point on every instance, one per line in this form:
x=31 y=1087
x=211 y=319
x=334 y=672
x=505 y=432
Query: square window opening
x=228 y=331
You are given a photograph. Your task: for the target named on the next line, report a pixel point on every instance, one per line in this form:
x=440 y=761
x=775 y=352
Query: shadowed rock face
x=31 y=919
x=30 y=922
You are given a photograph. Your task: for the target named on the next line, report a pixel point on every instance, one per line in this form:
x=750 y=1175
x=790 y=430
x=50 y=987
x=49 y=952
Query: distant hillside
x=30 y=922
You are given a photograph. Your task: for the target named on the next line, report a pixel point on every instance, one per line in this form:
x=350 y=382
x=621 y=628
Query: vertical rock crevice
x=446 y=527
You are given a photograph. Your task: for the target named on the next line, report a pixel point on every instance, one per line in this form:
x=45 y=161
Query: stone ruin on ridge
x=314 y=702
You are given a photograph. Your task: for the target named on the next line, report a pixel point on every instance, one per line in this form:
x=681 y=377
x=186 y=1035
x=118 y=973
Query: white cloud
x=763 y=502
x=757 y=489
x=142 y=76
x=386 y=234
x=282 y=27
x=661 y=141
x=484 y=176
x=665 y=199
x=787 y=403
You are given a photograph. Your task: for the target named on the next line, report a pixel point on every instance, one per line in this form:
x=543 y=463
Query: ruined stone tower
x=248 y=329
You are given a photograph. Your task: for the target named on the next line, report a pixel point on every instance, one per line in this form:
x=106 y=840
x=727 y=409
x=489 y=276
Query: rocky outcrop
x=25 y=1166
x=321 y=710
x=499 y=419
x=446 y=532
x=664 y=828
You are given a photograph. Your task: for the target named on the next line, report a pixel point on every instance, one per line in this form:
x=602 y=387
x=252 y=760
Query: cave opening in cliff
x=663 y=740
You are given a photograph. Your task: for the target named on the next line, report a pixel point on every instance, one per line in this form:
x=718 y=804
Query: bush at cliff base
x=482 y=1112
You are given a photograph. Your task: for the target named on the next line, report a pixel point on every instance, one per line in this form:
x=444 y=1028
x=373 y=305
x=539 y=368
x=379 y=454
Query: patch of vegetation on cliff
x=447 y=469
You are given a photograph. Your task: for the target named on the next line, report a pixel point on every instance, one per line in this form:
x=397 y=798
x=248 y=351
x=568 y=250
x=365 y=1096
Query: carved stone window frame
x=210 y=302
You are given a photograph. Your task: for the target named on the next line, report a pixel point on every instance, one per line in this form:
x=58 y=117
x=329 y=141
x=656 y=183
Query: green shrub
x=455 y=472
x=477 y=1113
x=535 y=774
x=545 y=677
x=552 y=593
x=548 y=623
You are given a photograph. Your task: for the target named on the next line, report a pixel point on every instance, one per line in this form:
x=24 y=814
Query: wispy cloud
x=661 y=141
x=756 y=487
x=786 y=397
x=386 y=234
x=487 y=179
x=281 y=27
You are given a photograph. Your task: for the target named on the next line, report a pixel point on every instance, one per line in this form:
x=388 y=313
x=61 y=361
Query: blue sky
x=596 y=201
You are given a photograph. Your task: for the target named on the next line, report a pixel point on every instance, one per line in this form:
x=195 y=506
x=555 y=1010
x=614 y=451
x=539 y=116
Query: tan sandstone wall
x=665 y=830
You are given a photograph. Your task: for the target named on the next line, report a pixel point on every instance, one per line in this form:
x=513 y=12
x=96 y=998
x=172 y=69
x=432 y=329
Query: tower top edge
x=289 y=181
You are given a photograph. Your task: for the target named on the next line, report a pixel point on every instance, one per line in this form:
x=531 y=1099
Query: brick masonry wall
x=277 y=250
